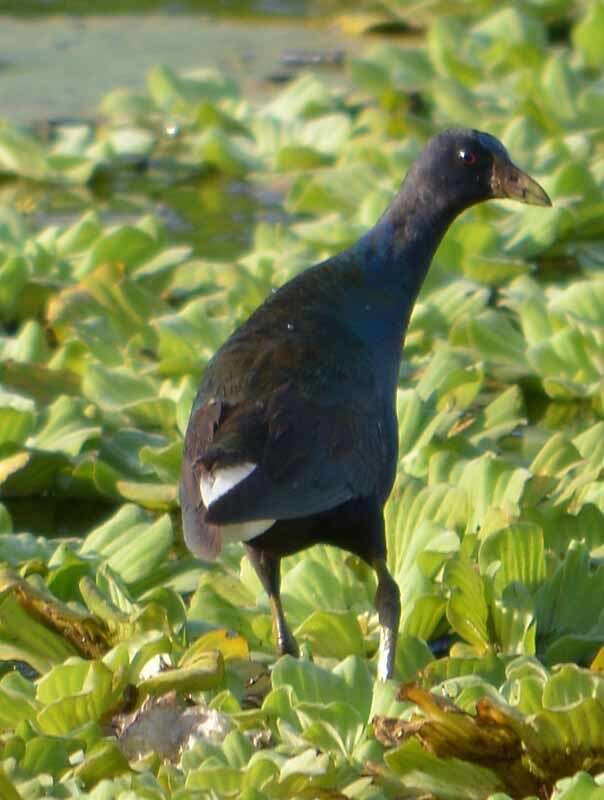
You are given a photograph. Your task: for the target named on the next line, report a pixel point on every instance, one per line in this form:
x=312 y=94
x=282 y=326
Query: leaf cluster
x=132 y=670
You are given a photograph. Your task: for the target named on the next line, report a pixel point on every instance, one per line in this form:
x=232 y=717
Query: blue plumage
x=293 y=435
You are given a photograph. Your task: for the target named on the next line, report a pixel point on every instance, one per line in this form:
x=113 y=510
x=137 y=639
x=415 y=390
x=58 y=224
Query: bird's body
x=320 y=434
x=293 y=435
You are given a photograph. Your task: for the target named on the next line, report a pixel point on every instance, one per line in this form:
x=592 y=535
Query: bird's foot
x=286 y=644
x=386 y=654
x=388 y=605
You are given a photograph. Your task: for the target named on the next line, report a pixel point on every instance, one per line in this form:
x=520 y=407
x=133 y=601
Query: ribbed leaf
x=514 y=554
x=449 y=778
x=467 y=609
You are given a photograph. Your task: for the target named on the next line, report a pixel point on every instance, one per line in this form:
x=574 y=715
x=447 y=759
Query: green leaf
x=117 y=388
x=25 y=639
x=557 y=456
x=166 y=461
x=7 y=788
x=302 y=98
x=298 y=157
x=15 y=548
x=220 y=780
x=582 y=618
x=208 y=673
x=21 y=154
x=513 y=619
x=446 y=778
x=313 y=583
x=28 y=346
x=406 y=544
x=467 y=609
x=423 y=618
x=494 y=338
x=491 y=667
x=178 y=344
x=125 y=245
x=17 y=417
x=587 y=34
x=580 y=787
x=570 y=685
x=79 y=236
x=14 y=275
x=67 y=428
x=74 y=693
x=30 y=472
x=231 y=155
x=514 y=554
x=492 y=483
x=327 y=134
x=335 y=635
x=174 y=93
x=17 y=700
x=412 y=655
x=349 y=683
x=330 y=190
x=336 y=727
x=46 y=754
x=103 y=761
x=133 y=545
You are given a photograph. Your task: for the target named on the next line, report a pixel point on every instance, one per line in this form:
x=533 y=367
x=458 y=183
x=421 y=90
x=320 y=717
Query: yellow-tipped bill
x=509 y=181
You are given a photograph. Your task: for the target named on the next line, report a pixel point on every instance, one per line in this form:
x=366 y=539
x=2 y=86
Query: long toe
x=286 y=643
x=388 y=605
x=387 y=653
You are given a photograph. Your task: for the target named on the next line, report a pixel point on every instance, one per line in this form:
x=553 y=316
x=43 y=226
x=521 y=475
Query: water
x=220 y=8
x=54 y=67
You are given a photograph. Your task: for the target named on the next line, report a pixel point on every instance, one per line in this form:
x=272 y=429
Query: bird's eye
x=467 y=156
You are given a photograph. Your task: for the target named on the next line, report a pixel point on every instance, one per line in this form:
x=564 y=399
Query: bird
x=292 y=439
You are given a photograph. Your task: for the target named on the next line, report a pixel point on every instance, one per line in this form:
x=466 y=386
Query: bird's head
x=462 y=167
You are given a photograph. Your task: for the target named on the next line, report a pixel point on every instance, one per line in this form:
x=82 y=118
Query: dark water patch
x=554 y=415
x=57 y=517
x=214 y=214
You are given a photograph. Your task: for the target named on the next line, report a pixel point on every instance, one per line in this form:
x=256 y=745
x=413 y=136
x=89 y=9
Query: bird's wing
x=202 y=538
x=298 y=418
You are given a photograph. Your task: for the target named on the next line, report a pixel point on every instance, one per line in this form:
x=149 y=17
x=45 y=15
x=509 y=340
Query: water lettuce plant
x=129 y=669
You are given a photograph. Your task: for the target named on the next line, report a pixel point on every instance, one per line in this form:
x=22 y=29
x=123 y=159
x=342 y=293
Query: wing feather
x=308 y=416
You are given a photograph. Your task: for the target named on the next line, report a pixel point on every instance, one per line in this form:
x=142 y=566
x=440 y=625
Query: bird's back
x=304 y=397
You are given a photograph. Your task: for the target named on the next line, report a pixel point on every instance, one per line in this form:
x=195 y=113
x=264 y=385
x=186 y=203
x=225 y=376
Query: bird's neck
x=398 y=250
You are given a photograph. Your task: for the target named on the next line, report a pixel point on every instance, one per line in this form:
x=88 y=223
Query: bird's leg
x=268 y=570
x=388 y=605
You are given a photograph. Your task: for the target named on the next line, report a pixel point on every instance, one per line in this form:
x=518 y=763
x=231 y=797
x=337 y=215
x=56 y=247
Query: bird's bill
x=509 y=181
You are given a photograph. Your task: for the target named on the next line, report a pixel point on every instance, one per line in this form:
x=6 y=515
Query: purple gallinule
x=293 y=436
